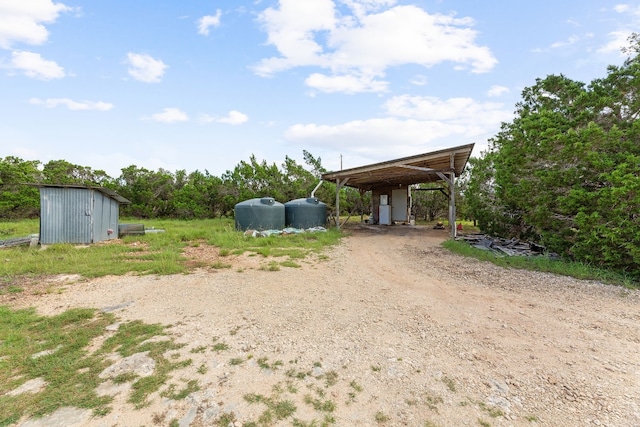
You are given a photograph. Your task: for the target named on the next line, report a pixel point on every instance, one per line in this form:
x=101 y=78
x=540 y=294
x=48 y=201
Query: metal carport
x=442 y=165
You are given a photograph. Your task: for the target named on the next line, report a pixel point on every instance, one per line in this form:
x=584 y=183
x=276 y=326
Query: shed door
x=399 y=205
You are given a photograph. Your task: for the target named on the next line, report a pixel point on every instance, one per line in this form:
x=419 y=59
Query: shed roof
x=106 y=191
x=421 y=168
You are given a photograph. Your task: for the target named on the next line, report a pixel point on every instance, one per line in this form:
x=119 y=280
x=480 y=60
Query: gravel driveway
x=387 y=329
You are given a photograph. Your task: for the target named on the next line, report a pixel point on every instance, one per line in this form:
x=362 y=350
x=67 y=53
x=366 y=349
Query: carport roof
x=421 y=168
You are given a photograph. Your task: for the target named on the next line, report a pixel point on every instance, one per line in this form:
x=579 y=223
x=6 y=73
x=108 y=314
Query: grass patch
x=276 y=407
x=151 y=253
x=54 y=349
x=577 y=270
x=190 y=387
x=263 y=363
x=236 y=361
x=220 y=346
x=10 y=229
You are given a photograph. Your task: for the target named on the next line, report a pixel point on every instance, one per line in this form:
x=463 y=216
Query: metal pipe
x=314 y=190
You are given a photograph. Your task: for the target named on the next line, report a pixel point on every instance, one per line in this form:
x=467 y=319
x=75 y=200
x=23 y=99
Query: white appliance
x=384 y=215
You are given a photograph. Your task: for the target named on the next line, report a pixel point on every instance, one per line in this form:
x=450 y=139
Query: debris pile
x=285 y=231
x=500 y=246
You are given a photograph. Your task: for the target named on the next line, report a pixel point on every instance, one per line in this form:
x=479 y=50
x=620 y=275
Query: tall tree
x=566 y=171
x=63 y=172
x=17 y=199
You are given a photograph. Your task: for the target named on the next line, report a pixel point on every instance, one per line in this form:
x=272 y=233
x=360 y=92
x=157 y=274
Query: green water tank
x=305 y=213
x=259 y=214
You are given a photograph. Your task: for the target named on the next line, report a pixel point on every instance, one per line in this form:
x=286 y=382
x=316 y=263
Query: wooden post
x=452 y=195
x=338 y=203
x=452 y=204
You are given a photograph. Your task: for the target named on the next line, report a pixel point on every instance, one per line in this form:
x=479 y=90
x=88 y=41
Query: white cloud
x=367 y=42
x=34 y=66
x=453 y=110
x=419 y=80
x=347 y=83
x=374 y=137
x=208 y=21
x=414 y=124
x=21 y=21
x=571 y=40
x=497 y=90
x=618 y=40
x=145 y=68
x=170 y=115
x=621 y=8
x=71 y=104
x=233 y=118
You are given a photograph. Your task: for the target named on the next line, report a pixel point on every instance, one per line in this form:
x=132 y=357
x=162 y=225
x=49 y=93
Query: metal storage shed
x=78 y=214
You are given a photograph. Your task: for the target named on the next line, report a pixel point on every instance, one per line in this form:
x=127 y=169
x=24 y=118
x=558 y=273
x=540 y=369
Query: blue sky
x=202 y=85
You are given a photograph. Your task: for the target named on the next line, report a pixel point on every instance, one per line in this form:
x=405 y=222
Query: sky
x=203 y=85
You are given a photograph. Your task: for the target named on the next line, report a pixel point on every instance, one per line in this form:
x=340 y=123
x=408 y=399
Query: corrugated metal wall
x=76 y=215
x=106 y=212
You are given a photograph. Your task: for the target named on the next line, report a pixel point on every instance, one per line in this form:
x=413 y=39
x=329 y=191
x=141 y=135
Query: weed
x=158 y=419
x=491 y=410
x=276 y=408
x=290 y=264
x=433 y=401
x=263 y=364
x=271 y=266
x=483 y=423
x=225 y=419
x=376 y=368
x=291 y=388
x=330 y=379
x=171 y=393
x=236 y=361
x=125 y=378
x=218 y=265
x=283 y=409
x=319 y=404
x=354 y=385
x=202 y=369
x=380 y=417
x=531 y=418
x=199 y=349
x=220 y=346
x=451 y=385
x=292 y=373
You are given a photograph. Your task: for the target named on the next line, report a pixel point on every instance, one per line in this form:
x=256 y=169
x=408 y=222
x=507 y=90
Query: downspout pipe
x=314 y=190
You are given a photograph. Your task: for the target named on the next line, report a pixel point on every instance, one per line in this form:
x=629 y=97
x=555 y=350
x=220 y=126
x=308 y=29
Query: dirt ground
x=387 y=329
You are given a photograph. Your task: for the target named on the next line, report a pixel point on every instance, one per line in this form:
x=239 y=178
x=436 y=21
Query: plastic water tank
x=305 y=213
x=259 y=214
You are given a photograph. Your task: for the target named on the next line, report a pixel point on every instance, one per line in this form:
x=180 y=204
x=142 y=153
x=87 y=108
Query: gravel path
x=387 y=329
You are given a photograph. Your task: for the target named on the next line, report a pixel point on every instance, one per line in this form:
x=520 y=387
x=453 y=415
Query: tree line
x=184 y=195
x=162 y=193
